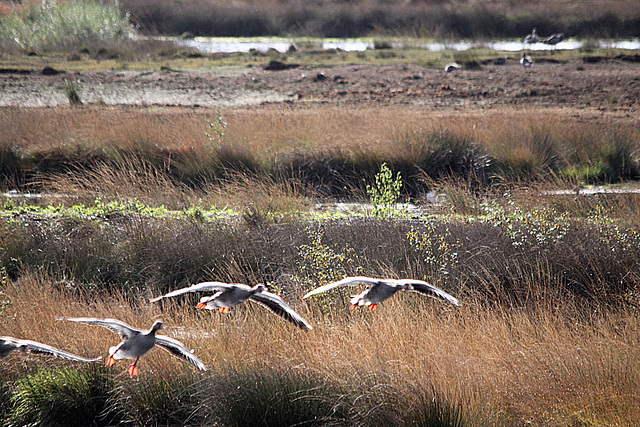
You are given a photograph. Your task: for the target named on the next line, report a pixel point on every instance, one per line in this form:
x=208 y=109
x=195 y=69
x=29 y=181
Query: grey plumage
x=382 y=289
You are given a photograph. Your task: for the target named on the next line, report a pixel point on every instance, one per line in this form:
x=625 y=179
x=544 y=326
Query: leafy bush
x=385 y=192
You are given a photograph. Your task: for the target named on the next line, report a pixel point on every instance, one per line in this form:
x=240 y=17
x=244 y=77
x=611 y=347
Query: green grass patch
x=50 y=26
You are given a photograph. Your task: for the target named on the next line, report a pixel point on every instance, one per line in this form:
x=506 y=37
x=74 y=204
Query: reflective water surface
x=228 y=45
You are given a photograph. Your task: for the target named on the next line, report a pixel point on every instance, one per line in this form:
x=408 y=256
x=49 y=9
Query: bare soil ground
x=607 y=84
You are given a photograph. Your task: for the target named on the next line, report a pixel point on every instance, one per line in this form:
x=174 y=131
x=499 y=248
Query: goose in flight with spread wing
x=137 y=343
x=229 y=295
x=9 y=344
x=382 y=289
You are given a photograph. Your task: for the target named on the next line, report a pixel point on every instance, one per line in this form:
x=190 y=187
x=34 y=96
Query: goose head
x=258 y=288
x=157 y=326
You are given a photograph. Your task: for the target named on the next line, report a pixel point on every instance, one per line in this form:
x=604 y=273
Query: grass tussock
x=477 y=365
x=329 y=155
x=51 y=26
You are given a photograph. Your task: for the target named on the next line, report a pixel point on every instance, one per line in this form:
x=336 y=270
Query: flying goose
x=137 y=343
x=9 y=344
x=229 y=295
x=526 y=61
x=382 y=289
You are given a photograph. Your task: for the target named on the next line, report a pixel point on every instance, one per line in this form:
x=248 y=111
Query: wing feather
x=350 y=281
x=125 y=331
x=426 y=288
x=204 y=286
x=178 y=349
x=277 y=305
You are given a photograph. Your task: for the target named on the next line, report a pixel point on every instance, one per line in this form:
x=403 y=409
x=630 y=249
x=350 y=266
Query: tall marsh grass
x=414 y=361
x=59 y=26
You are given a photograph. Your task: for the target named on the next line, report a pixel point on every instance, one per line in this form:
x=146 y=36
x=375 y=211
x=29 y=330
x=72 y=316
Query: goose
x=382 y=289
x=554 y=39
x=526 y=61
x=137 y=343
x=229 y=295
x=9 y=344
x=532 y=38
x=451 y=66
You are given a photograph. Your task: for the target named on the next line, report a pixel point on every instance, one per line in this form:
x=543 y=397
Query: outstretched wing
x=351 y=281
x=430 y=290
x=178 y=349
x=277 y=305
x=125 y=331
x=204 y=286
x=39 y=348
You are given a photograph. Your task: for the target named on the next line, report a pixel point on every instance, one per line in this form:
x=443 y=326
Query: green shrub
x=385 y=192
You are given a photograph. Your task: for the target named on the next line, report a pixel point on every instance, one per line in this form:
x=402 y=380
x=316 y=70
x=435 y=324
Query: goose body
x=137 y=343
x=526 y=61
x=382 y=289
x=451 y=67
x=532 y=38
x=554 y=39
x=9 y=344
x=229 y=295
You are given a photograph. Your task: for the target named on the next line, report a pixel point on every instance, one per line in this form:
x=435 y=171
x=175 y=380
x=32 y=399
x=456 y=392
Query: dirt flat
x=610 y=84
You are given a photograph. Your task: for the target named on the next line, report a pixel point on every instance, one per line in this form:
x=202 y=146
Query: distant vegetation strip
x=443 y=20
x=98 y=153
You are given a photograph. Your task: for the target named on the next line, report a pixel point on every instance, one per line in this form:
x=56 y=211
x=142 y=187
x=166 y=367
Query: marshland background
x=514 y=190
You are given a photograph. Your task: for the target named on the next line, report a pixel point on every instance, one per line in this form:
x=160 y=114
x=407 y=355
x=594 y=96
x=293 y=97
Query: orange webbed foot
x=110 y=361
x=201 y=305
x=373 y=307
x=224 y=309
x=352 y=307
x=133 y=370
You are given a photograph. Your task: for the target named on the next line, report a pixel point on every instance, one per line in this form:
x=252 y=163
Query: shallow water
x=229 y=45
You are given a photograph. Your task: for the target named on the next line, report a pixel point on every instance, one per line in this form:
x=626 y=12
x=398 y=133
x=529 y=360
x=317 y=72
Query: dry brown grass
x=549 y=364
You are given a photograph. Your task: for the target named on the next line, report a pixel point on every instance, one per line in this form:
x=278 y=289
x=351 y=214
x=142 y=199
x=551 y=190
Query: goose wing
x=277 y=305
x=178 y=349
x=125 y=331
x=430 y=290
x=39 y=348
x=351 y=281
x=204 y=286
